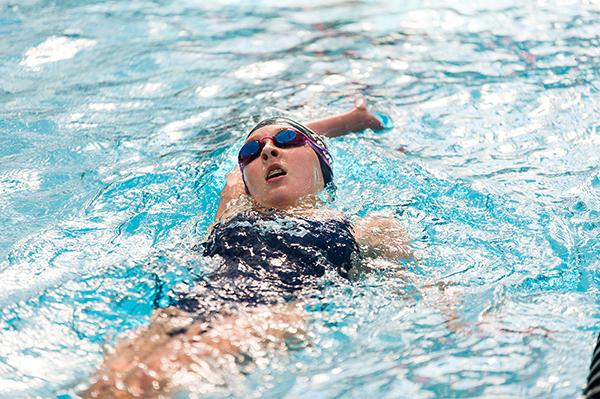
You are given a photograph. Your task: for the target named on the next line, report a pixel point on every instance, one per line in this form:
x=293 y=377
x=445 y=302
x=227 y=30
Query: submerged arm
x=383 y=237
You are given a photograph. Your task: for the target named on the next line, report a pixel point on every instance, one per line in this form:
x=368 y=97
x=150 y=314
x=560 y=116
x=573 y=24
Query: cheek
x=318 y=176
x=251 y=175
x=308 y=168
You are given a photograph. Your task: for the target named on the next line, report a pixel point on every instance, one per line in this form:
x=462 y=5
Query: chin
x=281 y=198
x=280 y=202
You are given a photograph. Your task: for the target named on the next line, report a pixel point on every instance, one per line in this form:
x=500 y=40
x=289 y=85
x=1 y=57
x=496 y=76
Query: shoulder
x=382 y=235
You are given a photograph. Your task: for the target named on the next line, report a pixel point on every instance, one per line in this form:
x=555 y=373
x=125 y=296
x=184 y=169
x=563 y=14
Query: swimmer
x=273 y=242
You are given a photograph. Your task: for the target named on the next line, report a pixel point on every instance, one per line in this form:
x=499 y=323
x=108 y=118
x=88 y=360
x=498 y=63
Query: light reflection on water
x=119 y=121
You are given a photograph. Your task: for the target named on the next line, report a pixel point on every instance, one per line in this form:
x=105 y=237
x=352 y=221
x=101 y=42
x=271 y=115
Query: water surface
x=119 y=121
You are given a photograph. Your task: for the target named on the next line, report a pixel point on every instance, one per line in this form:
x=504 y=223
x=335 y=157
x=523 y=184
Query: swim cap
x=316 y=143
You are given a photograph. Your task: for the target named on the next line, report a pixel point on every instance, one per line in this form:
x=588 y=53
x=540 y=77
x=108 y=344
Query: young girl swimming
x=273 y=241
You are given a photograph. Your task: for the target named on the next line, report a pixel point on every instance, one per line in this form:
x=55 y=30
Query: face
x=280 y=177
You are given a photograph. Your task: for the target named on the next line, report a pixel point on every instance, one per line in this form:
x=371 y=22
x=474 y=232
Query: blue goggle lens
x=286 y=137
x=250 y=150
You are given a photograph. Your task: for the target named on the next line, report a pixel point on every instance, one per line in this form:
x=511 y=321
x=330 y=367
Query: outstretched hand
x=362 y=113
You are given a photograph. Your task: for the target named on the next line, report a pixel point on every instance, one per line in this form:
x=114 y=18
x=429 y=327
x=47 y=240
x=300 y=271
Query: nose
x=269 y=151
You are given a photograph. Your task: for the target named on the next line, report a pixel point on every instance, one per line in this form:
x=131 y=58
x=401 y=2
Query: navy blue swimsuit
x=269 y=258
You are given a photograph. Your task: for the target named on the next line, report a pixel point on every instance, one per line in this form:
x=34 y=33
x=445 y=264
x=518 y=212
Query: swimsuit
x=267 y=259
x=592 y=391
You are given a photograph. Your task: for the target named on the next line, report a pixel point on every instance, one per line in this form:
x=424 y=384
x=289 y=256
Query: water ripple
x=119 y=122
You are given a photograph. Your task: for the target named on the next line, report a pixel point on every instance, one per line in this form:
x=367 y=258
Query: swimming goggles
x=285 y=138
x=295 y=135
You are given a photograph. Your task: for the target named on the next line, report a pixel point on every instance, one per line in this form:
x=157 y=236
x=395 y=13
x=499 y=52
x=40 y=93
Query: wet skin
x=302 y=172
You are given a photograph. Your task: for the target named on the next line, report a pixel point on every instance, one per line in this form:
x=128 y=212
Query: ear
x=245 y=184
x=318 y=176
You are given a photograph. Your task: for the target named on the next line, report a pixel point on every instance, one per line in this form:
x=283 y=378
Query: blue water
x=119 y=121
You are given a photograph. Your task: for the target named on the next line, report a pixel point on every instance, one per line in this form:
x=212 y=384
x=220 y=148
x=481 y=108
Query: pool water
x=120 y=120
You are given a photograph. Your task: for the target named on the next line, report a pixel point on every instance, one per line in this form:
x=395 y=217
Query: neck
x=303 y=205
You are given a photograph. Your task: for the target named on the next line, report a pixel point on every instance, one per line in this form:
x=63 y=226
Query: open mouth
x=274 y=172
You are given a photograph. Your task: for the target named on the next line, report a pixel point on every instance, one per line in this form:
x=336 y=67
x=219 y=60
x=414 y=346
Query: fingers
x=360 y=102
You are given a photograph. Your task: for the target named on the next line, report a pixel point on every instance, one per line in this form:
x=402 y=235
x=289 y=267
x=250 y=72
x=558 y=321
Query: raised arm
x=355 y=120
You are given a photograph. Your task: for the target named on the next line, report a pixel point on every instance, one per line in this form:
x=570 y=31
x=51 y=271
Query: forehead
x=269 y=130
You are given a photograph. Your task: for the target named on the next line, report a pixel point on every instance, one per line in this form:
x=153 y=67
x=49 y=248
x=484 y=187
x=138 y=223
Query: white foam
x=208 y=91
x=147 y=89
x=174 y=130
x=260 y=70
x=19 y=180
x=55 y=48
